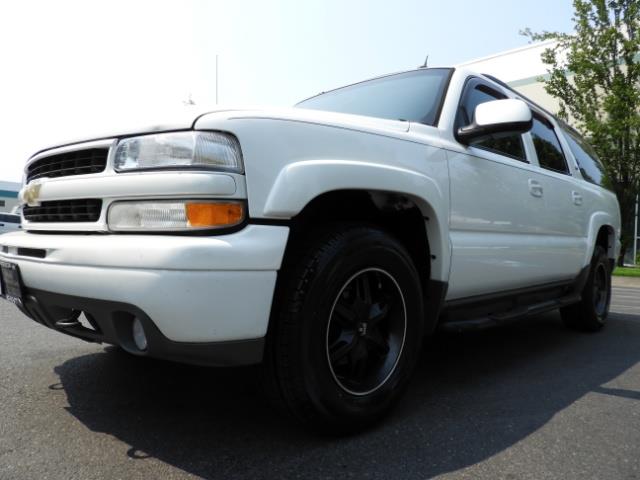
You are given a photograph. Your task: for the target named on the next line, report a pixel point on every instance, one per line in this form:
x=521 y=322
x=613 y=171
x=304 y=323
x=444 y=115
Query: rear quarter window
x=590 y=166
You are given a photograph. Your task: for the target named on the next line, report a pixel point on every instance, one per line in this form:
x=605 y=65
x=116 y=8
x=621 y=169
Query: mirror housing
x=507 y=117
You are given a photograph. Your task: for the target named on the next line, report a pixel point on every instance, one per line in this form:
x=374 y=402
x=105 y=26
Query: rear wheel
x=347 y=329
x=591 y=313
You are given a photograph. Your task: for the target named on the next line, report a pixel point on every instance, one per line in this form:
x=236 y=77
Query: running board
x=509 y=316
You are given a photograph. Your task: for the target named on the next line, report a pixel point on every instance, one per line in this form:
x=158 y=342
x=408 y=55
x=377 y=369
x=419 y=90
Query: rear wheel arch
x=606 y=239
x=601 y=232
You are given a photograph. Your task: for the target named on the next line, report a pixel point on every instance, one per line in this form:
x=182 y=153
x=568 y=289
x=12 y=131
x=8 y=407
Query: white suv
x=323 y=241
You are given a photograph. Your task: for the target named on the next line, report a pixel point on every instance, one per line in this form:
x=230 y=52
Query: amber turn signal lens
x=214 y=214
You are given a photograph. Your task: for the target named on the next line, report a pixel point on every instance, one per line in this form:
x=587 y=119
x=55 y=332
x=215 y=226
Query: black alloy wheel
x=601 y=289
x=590 y=314
x=366 y=331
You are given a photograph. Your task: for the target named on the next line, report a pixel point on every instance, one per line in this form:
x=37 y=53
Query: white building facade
x=8 y=196
x=520 y=68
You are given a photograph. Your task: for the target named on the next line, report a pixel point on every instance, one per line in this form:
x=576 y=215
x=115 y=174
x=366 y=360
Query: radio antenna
x=426 y=61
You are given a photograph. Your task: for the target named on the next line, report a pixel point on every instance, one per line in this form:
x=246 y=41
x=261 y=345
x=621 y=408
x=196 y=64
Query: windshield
x=414 y=96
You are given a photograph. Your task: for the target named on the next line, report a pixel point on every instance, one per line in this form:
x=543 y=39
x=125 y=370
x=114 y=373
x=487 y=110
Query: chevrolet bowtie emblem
x=31 y=194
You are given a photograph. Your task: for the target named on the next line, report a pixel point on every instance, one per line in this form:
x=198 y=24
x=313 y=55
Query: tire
x=590 y=314
x=333 y=361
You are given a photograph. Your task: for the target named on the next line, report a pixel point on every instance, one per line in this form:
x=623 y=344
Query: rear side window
x=548 y=146
x=590 y=166
x=509 y=145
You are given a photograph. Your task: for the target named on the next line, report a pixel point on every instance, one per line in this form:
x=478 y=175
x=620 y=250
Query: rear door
x=566 y=214
x=593 y=196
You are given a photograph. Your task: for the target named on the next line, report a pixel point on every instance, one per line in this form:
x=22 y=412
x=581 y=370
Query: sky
x=69 y=67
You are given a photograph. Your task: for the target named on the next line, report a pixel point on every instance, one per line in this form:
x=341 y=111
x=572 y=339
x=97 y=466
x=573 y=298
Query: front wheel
x=591 y=312
x=347 y=329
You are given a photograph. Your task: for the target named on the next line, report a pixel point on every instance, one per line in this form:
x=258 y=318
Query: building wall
x=8 y=196
x=522 y=69
x=7 y=204
x=534 y=89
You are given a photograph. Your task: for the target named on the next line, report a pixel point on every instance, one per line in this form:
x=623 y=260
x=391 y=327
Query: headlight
x=216 y=150
x=174 y=215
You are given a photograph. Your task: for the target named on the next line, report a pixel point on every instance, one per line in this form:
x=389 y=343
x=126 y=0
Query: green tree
x=594 y=72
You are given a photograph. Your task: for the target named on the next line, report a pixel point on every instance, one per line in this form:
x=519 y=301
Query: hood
x=150 y=122
x=293 y=114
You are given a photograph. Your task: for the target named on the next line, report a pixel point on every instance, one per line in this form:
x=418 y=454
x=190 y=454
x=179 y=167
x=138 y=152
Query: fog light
x=139 y=338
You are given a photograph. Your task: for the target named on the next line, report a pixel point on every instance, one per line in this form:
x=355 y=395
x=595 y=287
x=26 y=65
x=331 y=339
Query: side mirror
x=506 y=117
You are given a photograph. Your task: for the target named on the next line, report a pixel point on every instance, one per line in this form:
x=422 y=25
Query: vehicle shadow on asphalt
x=473 y=396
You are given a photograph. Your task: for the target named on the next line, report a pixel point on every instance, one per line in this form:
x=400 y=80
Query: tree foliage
x=594 y=72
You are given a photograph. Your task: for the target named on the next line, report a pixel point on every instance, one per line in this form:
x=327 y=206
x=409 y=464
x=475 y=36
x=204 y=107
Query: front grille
x=77 y=162
x=64 y=211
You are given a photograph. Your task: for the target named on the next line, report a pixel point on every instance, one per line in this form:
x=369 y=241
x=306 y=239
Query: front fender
x=299 y=183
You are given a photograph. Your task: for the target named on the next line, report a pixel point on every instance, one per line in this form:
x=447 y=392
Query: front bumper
x=186 y=290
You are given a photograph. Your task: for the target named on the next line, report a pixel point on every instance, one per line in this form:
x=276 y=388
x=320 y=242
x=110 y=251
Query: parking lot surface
x=531 y=400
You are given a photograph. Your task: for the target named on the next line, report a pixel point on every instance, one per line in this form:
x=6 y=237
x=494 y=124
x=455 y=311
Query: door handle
x=577 y=198
x=535 y=188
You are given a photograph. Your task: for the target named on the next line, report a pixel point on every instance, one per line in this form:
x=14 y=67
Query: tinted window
x=414 y=96
x=592 y=170
x=548 y=147
x=510 y=145
x=9 y=218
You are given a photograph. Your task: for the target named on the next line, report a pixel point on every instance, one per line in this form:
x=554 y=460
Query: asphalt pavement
x=530 y=400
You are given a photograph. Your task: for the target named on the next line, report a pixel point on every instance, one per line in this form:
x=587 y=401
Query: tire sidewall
x=599 y=259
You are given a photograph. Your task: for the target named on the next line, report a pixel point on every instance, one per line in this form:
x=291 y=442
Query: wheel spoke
x=346 y=316
x=378 y=343
x=341 y=347
x=358 y=360
x=378 y=312
x=364 y=288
